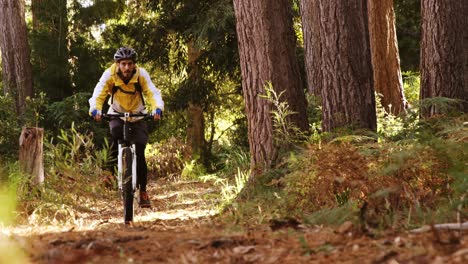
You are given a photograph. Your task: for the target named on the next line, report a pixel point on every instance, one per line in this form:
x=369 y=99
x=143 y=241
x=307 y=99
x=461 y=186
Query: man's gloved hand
x=96 y=114
x=156 y=114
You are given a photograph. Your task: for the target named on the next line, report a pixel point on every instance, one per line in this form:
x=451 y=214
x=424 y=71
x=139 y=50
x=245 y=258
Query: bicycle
x=126 y=164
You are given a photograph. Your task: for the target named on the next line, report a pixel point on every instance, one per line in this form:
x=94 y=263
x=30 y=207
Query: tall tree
x=346 y=81
x=385 y=58
x=200 y=35
x=312 y=47
x=16 y=65
x=195 y=118
x=444 y=52
x=267 y=53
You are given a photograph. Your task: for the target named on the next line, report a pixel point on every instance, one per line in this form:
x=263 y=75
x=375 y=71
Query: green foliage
x=334 y=216
x=8 y=201
x=74 y=148
x=49 y=50
x=73 y=169
x=73 y=109
x=99 y=12
x=416 y=175
x=411 y=87
x=197 y=91
x=10 y=130
x=232 y=175
x=9 y=122
x=285 y=133
x=193 y=170
x=388 y=125
x=229 y=190
x=441 y=106
x=74 y=179
x=73 y=112
x=408 y=25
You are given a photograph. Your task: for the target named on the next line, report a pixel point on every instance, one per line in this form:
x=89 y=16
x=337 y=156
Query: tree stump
x=31 y=153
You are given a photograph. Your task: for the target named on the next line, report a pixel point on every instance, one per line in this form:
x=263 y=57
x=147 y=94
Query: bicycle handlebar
x=108 y=116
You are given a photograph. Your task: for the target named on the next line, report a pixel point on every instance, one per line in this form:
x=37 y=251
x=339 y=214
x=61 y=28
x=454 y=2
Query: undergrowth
x=73 y=181
x=414 y=174
x=375 y=185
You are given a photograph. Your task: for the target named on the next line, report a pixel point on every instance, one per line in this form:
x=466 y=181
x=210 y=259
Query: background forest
x=258 y=95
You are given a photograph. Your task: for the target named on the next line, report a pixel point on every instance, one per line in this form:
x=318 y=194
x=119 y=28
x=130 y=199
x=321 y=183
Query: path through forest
x=181 y=228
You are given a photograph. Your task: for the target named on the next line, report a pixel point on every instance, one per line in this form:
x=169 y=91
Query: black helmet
x=125 y=53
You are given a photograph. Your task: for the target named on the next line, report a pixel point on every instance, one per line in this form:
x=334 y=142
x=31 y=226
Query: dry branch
x=447 y=226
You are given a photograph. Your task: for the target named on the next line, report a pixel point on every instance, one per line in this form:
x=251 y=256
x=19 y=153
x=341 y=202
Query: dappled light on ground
x=182 y=227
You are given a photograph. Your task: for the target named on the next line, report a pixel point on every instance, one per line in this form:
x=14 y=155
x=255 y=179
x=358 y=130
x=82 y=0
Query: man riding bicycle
x=129 y=87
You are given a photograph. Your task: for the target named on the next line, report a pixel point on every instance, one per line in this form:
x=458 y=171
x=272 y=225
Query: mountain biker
x=131 y=90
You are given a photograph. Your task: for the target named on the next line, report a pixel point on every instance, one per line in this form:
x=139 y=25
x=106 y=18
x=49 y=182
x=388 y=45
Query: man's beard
x=126 y=75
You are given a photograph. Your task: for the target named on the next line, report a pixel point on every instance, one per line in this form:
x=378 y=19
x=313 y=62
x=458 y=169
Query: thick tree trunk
x=347 y=82
x=385 y=58
x=312 y=46
x=267 y=53
x=16 y=65
x=31 y=154
x=444 y=52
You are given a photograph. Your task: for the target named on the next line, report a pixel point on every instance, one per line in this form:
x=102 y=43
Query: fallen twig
x=448 y=226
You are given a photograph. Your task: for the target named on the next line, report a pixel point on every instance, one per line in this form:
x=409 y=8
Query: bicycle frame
x=126 y=143
x=127 y=191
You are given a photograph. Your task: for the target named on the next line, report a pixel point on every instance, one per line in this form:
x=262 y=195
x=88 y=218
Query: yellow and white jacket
x=126 y=102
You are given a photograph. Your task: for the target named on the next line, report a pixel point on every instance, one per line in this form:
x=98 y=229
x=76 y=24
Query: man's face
x=126 y=68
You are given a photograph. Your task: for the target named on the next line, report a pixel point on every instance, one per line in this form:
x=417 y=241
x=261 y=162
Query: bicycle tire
x=127 y=188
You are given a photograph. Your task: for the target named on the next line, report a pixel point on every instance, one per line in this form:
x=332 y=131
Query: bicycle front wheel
x=127 y=187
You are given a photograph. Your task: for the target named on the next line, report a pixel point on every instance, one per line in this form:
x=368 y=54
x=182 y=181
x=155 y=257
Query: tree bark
x=385 y=57
x=444 y=52
x=267 y=43
x=196 y=130
x=195 y=118
x=31 y=153
x=312 y=46
x=16 y=65
x=347 y=86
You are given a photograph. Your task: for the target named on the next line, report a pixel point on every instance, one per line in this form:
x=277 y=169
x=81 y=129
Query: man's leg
x=142 y=169
x=140 y=133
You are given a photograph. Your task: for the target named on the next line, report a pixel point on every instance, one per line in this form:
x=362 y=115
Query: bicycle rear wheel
x=127 y=188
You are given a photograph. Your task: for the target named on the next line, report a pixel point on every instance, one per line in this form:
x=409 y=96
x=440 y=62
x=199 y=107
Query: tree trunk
x=31 y=154
x=444 y=52
x=196 y=130
x=312 y=46
x=16 y=65
x=385 y=59
x=346 y=79
x=267 y=53
x=195 y=118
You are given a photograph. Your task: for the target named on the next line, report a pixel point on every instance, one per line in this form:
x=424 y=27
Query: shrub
x=168 y=159
x=382 y=180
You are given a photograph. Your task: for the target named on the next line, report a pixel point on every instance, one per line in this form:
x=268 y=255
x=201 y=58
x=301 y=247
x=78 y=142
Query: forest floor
x=182 y=227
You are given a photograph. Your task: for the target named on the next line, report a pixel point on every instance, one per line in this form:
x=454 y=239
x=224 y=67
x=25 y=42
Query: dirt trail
x=180 y=229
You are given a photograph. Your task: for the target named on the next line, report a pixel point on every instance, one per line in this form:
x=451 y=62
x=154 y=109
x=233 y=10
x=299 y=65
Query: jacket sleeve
x=101 y=91
x=150 y=92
